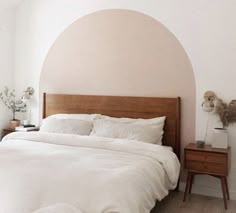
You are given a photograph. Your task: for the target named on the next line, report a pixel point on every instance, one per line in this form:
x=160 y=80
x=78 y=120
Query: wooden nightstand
x=6 y=132
x=209 y=161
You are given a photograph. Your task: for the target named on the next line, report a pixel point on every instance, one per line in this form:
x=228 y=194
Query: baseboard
x=208 y=191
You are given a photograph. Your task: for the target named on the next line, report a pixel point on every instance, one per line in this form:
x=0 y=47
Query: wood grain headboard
x=119 y=106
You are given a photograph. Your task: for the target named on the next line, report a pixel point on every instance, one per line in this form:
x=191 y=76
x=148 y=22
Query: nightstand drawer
x=206 y=167
x=206 y=157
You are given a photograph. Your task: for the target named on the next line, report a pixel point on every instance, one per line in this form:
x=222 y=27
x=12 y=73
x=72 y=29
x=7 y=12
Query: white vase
x=220 y=138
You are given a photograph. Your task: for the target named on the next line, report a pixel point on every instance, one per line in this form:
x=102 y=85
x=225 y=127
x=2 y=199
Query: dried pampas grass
x=227 y=113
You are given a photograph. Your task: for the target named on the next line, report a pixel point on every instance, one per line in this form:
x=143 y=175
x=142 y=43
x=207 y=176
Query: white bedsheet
x=59 y=173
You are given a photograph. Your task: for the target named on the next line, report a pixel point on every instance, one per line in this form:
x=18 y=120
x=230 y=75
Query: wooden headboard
x=118 y=106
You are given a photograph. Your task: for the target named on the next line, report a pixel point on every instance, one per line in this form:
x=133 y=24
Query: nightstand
x=6 y=131
x=208 y=161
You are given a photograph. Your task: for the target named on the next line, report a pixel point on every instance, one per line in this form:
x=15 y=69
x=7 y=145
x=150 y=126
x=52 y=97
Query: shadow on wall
x=121 y=52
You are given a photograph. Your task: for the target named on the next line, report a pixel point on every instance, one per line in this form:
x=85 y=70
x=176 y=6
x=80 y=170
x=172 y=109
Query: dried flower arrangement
x=226 y=112
x=227 y=115
x=8 y=97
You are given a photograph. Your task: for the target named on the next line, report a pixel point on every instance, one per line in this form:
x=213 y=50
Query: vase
x=220 y=138
x=14 y=123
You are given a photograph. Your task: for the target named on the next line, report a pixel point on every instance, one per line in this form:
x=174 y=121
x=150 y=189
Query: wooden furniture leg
x=191 y=183
x=223 y=184
x=187 y=186
x=227 y=188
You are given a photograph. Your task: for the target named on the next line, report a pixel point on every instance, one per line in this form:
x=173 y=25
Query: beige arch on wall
x=121 y=52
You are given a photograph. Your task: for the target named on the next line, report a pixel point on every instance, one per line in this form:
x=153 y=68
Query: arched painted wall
x=121 y=52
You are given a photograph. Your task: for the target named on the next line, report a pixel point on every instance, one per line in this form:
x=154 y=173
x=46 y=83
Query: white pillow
x=155 y=121
x=112 y=129
x=86 y=117
x=69 y=126
x=159 y=121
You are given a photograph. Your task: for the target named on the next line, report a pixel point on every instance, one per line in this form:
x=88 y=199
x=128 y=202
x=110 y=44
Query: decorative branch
x=227 y=113
x=232 y=112
x=8 y=98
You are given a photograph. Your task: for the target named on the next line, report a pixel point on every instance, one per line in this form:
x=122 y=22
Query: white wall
x=9 y=3
x=7 y=38
x=206 y=29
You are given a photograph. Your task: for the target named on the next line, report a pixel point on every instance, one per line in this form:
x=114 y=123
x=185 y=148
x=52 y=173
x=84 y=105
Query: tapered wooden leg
x=227 y=188
x=187 y=186
x=191 y=183
x=223 y=184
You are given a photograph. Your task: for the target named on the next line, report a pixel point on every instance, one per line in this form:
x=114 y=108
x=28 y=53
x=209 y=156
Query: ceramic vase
x=14 y=123
x=220 y=138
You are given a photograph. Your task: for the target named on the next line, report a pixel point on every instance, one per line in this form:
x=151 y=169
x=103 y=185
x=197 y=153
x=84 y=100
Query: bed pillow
x=155 y=121
x=87 y=117
x=112 y=129
x=159 y=121
x=68 y=126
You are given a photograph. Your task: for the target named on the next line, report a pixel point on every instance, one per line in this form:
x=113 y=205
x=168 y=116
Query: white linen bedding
x=61 y=173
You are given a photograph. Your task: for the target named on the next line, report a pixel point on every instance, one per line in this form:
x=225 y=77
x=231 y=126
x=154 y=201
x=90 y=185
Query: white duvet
x=59 y=173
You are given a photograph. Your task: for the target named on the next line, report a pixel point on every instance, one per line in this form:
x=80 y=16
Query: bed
x=42 y=172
